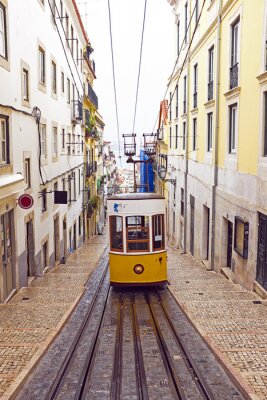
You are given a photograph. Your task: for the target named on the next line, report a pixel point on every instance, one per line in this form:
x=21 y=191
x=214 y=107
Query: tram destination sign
x=25 y=201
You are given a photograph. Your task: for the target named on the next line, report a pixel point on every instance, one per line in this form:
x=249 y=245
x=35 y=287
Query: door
x=74 y=237
x=65 y=244
x=192 y=224
x=56 y=238
x=6 y=234
x=229 y=244
x=206 y=233
x=261 y=275
x=30 y=249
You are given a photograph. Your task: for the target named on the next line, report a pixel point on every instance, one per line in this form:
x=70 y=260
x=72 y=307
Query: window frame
x=162 y=223
x=117 y=250
x=194 y=139
x=27 y=172
x=4 y=55
x=43 y=154
x=54 y=142
x=41 y=66
x=143 y=228
x=5 y=119
x=232 y=134
x=54 y=77
x=209 y=131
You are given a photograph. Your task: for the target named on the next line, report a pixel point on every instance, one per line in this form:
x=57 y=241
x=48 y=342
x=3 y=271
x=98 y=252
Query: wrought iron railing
x=234 y=76
x=77 y=110
x=92 y=96
x=88 y=169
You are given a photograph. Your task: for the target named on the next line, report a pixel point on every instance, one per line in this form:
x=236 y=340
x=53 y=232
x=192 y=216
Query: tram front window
x=137 y=233
x=158 y=232
x=115 y=223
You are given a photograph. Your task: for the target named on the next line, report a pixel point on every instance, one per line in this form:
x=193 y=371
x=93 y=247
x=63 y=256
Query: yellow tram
x=137 y=239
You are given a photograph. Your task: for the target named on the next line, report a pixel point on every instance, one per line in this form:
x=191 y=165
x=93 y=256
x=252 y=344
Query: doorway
x=7 y=258
x=261 y=274
x=205 y=233
x=56 y=239
x=192 y=224
x=74 y=237
x=229 y=244
x=30 y=250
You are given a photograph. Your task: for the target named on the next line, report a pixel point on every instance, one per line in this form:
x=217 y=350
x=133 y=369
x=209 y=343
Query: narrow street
x=230 y=319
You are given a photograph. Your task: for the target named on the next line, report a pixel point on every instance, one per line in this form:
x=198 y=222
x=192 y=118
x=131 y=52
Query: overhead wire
x=185 y=58
x=114 y=81
x=139 y=69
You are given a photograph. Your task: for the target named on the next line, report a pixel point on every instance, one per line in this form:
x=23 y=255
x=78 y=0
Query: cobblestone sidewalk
x=232 y=320
x=33 y=317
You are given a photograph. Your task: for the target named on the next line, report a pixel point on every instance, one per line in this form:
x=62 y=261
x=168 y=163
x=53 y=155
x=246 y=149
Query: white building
x=41 y=52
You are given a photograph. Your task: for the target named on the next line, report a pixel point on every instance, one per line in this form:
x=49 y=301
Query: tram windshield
x=137 y=233
x=158 y=232
x=115 y=223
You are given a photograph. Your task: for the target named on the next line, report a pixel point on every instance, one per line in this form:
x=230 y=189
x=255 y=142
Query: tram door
x=6 y=254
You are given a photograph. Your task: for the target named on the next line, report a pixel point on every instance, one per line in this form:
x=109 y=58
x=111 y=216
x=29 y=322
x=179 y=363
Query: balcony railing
x=210 y=90
x=92 y=96
x=195 y=100
x=77 y=110
x=234 y=76
x=86 y=117
x=91 y=133
x=89 y=169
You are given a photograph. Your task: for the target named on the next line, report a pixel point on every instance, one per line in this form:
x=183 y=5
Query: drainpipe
x=186 y=142
x=216 y=136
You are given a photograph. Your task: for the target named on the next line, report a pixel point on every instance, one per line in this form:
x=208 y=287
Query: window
x=210 y=77
x=41 y=66
x=73 y=143
x=184 y=110
x=27 y=172
x=54 y=77
x=69 y=190
x=68 y=90
x=170 y=107
x=74 y=184
x=234 y=54
x=44 y=200
x=63 y=184
x=61 y=9
x=182 y=202
x=55 y=187
x=137 y=233
x=79 y=181
x=71 y=39
x=194 y=144
x=176 y=136
x=81 y=59
x=77 y=52
x=43 y=140
x=44 y=255
x=3 y=32
x=170 y=137
x=232 y=128
x=62 y=82
x=185 y=22
x=53 y=10
x=209 y=116
x=184 y=134
x=67 y=28
x=54 y=147
x=63 y=138
x=195 y=85
x=158 y=232
x=196 y=12
x=80 y=225
x=116 y=230
x=177 y=100
x=4 y=140
x=25 y=84
x=265 y=126
x=178 y=37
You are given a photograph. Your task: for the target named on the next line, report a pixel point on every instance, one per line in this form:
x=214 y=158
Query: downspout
x=216 y=136
x=186 y=143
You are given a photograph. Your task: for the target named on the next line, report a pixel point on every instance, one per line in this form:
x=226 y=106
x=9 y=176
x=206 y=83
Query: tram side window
x=115 y=223
x=158 y=232
x=137 y=233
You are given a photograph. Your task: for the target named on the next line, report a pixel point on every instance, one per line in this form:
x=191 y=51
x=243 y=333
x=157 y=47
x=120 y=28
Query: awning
x=11 y=184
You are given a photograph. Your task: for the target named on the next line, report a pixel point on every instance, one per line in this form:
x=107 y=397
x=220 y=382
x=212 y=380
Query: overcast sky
x=157 y=60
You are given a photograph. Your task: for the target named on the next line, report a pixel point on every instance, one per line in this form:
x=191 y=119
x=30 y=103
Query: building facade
x=217 y=137
x=42 y=136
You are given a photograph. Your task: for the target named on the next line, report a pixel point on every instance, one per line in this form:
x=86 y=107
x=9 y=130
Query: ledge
x=262 y=78
x=194 y=110
x=232 y=93
x=209 y=103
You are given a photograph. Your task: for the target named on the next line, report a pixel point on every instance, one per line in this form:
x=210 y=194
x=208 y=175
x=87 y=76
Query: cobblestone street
x=227 y=316
x=34 y=316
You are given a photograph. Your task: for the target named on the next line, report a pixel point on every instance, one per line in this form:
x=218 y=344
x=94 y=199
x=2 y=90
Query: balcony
x=86 y=117
x=91 y=133
x=92 y=96
x=234 y=76
x=210 y=90
x=95 y=166
x=77 y=111
x=89 y=169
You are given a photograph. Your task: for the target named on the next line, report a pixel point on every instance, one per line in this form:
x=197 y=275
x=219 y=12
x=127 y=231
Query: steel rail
x=57 y=383
x=117 y=365
x=192 y=366
x=139 y=361
x=166 y=356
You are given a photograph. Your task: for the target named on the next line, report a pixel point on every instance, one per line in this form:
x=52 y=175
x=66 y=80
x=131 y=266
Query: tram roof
x=136 y=196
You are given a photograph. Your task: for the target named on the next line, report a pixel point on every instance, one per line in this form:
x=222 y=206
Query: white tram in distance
x=137 y=239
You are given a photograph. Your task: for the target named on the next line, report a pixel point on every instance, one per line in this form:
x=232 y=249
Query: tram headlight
x=138 y=269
